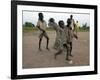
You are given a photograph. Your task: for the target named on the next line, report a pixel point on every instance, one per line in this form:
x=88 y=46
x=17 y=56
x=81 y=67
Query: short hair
x=61 y=21
x=68 y=21
x=71 y=15
x=51 y=20
x=77 y=21
x=40 y=14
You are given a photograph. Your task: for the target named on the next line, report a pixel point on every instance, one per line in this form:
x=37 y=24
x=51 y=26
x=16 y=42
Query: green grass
x=29 y=29
x=82 y=30
x=34 y=29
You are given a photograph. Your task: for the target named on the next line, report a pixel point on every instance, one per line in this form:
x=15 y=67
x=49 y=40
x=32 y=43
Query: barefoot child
x=54 y=25
x=62 y=40
x=69 y=35
x=41 y=24
x=61 y=37
x=71 y=31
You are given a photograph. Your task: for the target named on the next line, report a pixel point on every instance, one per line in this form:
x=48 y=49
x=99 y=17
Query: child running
x=54 y=25
x=61 y=38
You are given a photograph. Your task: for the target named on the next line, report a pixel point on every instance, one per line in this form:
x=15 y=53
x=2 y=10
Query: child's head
x=51 y=20
x=61 y=23
x=40 y=16
x=68 y=22
x=71 y=16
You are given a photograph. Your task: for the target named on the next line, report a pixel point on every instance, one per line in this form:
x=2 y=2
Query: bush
x=28 y=24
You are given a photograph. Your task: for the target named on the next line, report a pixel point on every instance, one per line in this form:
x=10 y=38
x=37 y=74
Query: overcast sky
x=31 y=16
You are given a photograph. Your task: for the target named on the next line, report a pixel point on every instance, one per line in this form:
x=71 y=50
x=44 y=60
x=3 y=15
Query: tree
x=84 y=26
x=28 y=24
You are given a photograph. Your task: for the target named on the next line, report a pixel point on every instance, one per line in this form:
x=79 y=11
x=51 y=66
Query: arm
x=38 y=26
x=75 y=30
x=75 y=27
x=53 y=25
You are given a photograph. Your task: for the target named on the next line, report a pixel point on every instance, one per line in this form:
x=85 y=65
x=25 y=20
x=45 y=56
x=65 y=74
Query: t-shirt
x=77 y=25
x=42 y=25
x=72 y=23
x=69 y=34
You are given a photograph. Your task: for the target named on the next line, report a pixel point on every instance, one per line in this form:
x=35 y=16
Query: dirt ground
x=33 y=58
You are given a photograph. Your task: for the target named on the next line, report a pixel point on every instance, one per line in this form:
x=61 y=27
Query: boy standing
x=41 y=24
x=71 y=31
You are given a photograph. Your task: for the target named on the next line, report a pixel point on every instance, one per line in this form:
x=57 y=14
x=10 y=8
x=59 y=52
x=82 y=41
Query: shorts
x=43 y=34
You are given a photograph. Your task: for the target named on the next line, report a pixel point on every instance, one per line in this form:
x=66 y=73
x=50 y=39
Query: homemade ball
x=70 y=62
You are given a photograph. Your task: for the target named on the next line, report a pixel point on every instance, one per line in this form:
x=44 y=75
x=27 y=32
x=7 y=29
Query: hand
x=43 y=31
x=75 y=36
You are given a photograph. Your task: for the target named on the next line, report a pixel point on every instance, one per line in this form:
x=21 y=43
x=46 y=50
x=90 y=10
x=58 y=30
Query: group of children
x=64 y=34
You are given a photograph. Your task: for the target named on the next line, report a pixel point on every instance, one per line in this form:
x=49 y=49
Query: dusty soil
x=33 y=58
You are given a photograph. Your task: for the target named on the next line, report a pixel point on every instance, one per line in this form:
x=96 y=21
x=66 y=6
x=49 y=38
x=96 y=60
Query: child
x=61 y=37
x=69 y=35
x=62 y=40
x=41 y=24
x=54 y=25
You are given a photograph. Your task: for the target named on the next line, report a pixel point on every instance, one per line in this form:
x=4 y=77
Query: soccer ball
x=70 y=62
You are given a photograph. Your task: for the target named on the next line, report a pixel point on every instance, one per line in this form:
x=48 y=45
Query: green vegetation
x=29 y=27
x=84 y=28
x=28 y=24
x=81 y=29
x=33 y=29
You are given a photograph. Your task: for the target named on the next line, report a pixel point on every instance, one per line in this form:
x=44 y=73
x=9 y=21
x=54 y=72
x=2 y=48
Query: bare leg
x=71 y=49
x=67 y=55
x=58 y=53
x=40 y=43
x=47 y=43
x=67 y=52
x=46 y=36
x=40 y=40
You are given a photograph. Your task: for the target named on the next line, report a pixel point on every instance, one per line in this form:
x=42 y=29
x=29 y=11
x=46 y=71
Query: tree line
x=30 y=24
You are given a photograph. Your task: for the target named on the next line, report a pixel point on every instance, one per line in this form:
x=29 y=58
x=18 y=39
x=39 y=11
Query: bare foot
x=40 y=49
x=71 y=55
x=48 y=49
x=68 y=59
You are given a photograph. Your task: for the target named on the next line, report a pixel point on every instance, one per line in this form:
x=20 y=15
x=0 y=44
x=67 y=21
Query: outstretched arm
x=53 y=25
x=75 y=31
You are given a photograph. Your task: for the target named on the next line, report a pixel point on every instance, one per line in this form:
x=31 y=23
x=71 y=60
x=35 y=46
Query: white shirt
x=72 y=24
x=42 y=25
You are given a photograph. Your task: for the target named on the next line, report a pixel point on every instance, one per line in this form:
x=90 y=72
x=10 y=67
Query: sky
x=32 y=16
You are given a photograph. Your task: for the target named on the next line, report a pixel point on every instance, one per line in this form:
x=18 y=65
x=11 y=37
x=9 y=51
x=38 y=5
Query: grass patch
x=29 y=29
x=34 y=29
x=83 y=30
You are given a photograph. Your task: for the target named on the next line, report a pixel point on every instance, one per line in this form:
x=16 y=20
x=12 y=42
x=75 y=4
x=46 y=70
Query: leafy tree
x=28 y=24
x=84 y=26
